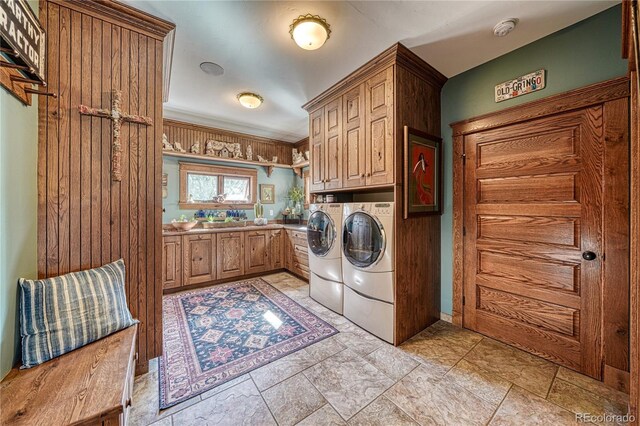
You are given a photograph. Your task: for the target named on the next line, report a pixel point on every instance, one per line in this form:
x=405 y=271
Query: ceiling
x=250 y=40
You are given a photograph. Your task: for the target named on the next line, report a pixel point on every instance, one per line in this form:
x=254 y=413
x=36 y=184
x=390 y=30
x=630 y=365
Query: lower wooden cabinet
x=297 y=253
x=172 y=261
x=199 y=258
x=207 y=257
x=276 y=249
x=230 y=255
x=256 y=254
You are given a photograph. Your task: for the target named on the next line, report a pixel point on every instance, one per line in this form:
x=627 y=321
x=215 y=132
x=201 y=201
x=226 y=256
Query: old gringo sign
x=21 y=31
x=520 y=86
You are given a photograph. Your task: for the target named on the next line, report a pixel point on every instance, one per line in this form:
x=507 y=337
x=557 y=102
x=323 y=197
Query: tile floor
x=443 y=376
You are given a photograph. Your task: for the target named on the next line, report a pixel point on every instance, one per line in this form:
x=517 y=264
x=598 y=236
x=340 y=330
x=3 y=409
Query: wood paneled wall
x=188 y=134
x=84 y=218
x=417 y=239
x=631 y=51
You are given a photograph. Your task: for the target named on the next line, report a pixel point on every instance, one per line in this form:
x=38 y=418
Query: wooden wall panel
x=417 y=239
x=188 y=134
x=84 y=218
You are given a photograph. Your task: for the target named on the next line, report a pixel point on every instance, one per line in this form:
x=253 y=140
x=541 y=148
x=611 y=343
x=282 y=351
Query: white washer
x=368 y=267
x=325 y=259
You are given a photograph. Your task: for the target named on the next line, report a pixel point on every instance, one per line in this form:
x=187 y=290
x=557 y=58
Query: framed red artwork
x=422 y=173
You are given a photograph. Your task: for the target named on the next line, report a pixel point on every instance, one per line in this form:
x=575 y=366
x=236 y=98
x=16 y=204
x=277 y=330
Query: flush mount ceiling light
x=250 y=100
x=212 y=68
x=310 y=31
x=503 y=28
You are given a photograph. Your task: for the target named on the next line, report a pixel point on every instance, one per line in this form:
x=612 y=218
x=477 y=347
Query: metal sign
x=22 y=37
x=521 y=86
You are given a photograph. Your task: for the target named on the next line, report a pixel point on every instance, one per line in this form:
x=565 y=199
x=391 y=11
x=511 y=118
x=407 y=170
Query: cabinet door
x=316 y=145
x=379 y=129
x=171 y=262
x=230 y=255
x=256 y=251
x=333 y=145
x=354 y=151
x=276 y=249
x=199 y=258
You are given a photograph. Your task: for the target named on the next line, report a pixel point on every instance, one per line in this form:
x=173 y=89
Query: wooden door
x=354 y=151
x=317 y=146
x=230 y=260
x=199 y=258
x=256 y=252
x=276 y=249
x=171 y=262
x=379 y=130
x=532 y=218
x=333 y=145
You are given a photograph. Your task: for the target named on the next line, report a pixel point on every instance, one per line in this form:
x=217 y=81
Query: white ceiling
x=250 y=40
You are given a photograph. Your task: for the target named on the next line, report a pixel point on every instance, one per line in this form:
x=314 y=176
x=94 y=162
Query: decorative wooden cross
x=117 y=117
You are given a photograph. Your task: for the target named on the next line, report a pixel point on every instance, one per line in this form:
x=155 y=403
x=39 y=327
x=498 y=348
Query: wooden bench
x=89 y=386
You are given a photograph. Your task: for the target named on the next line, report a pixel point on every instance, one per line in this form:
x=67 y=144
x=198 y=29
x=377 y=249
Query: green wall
x=585 y=53
x=283 y=179
x=18 y=213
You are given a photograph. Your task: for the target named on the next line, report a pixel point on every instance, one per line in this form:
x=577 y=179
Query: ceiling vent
x=212 y=68
x=505 y=27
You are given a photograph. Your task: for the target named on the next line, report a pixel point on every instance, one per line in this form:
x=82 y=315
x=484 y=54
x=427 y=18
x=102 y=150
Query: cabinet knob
x=368 y=174
x=362 y=175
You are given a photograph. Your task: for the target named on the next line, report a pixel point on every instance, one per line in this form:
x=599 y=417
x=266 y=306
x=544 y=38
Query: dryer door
x=363 y=240
x=321 y=233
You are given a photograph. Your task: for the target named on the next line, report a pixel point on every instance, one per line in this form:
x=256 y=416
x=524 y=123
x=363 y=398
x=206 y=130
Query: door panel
x=533 y=205
x=199 y=258
x=333 y=147
x=379 y=137
x=316 y=144
x=231 y=255
x=171 y=262
x=276 y=249
x=256 y=254
x=354 y=152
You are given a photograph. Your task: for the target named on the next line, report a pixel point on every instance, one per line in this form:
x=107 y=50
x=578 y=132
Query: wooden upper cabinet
x=230 y=260
x=199 y=258
x=379 y=128
x=276 y=249
x=333 y=145
x=171 y=262
x=353 y=141
x=256 y=253
x=316 y=147
x=356 y=126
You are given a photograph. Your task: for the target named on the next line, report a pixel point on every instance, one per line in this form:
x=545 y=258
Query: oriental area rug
x=216 y=334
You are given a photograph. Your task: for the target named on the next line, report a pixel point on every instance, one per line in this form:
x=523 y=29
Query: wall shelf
x=268 y=167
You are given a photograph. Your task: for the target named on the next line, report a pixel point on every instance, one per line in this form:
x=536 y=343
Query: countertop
x=199 y=230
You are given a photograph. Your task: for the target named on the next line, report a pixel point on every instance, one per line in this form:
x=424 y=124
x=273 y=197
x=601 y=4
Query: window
x=205 y=186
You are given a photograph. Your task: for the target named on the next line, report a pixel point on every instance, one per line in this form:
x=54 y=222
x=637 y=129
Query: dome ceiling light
x=503 y=28
x=310 y=32
x=250 y=100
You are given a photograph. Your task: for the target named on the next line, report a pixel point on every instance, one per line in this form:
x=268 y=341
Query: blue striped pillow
x=58 y=315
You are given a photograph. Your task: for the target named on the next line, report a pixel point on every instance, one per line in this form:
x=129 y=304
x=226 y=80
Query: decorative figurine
x=262 y=159
x=178 y=147
x=274 y=159
x=306 y=154
x=166 y=146
x=237 y=150
x=249 y=153
x=297 y=157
